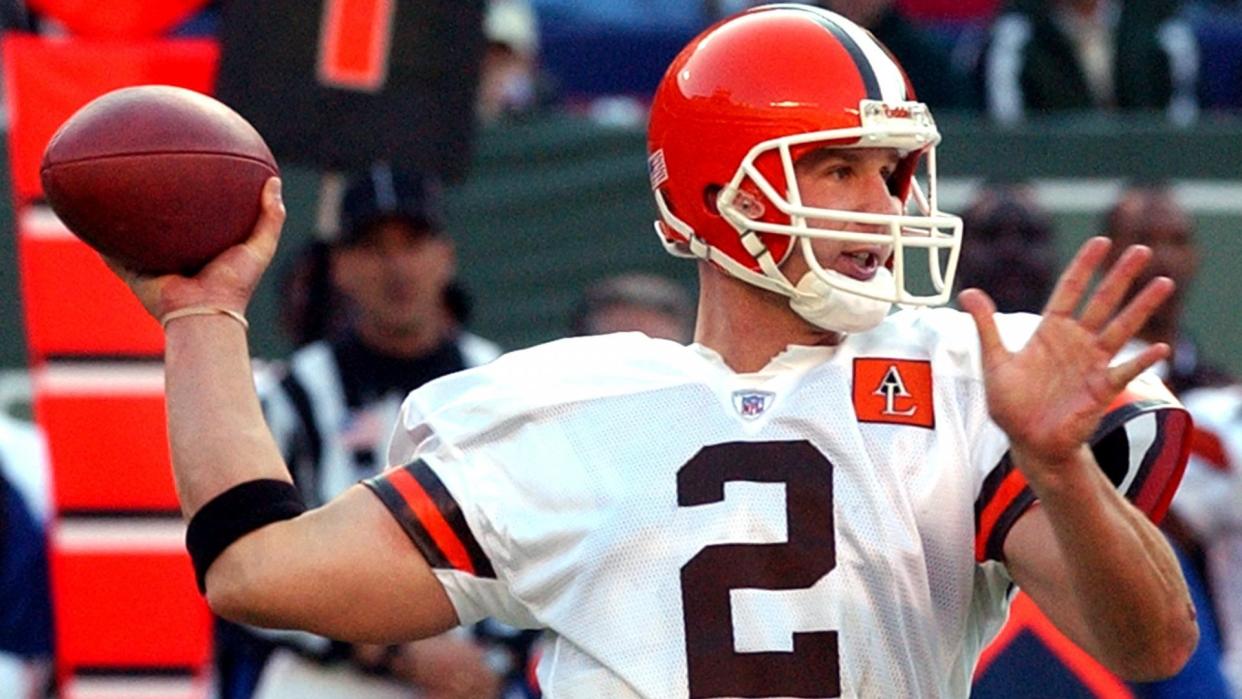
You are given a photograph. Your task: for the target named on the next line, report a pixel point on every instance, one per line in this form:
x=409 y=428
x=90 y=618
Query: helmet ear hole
x=710 y=194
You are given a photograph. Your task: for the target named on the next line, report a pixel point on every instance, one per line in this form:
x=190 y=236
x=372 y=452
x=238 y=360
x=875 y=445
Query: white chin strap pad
x=829 y=308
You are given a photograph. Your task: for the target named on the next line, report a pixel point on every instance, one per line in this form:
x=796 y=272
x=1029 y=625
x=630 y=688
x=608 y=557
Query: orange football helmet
x=742 y=102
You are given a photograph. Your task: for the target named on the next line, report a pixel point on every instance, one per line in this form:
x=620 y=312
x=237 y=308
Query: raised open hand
x=1049 y=396
x=226 y=282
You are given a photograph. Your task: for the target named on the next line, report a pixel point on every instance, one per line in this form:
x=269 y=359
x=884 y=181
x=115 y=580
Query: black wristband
x=235 y=513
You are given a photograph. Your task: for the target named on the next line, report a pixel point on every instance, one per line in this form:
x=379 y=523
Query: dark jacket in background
x=1030 y=65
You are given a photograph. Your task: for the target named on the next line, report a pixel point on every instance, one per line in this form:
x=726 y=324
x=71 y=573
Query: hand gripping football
x=161 y=178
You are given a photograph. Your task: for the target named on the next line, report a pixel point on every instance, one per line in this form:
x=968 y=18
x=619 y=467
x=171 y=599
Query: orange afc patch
x=897 y=391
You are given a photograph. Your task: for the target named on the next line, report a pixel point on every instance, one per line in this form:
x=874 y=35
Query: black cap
x=384 y=193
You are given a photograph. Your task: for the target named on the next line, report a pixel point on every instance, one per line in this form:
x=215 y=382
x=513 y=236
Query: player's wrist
x=203 y=310
x=1049 y=473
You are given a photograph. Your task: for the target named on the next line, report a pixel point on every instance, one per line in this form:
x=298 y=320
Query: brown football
x=161 y=178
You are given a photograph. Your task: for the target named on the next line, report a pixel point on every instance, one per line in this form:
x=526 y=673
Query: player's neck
x=749 y=326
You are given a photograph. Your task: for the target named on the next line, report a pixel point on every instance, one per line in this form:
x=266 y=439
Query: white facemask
x=828 y=308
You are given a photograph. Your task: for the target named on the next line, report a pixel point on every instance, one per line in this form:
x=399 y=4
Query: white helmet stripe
x=892 y=81
x=879 y=72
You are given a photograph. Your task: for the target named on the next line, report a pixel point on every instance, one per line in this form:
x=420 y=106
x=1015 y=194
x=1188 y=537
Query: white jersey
x=831 y=525
x=1210 y=500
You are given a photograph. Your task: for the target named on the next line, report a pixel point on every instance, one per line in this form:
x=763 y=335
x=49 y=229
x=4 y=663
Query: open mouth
x=860 y=264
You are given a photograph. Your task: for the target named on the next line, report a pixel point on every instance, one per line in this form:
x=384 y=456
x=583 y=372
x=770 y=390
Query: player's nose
x=877 y=198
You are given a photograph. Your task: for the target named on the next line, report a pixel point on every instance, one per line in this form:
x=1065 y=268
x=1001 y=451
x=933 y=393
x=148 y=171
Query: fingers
x=1113 y=288
x=1127 y=371
x=981 y=308
x=1076 y=277
x=1135 y=315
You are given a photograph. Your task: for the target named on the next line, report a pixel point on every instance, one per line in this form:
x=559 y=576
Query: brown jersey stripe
x=1160 y=469
x=431 y=518
x=1003 y=498
x=449 y=511
x=396 y=503
x=1163 y=465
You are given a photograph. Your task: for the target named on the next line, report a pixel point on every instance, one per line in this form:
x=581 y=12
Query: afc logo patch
x=896 y=391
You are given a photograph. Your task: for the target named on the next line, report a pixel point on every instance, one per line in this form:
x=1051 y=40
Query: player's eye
x=840 y=172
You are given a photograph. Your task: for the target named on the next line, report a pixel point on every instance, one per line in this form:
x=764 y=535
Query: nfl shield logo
x=752 y=404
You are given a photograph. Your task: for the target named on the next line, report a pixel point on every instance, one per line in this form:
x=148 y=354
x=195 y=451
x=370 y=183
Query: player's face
x=396 y=276
x=1159 y=222
x=849 y=179
x=1165 y=228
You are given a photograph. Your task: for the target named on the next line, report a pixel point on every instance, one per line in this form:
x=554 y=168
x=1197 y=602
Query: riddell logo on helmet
x=896 y=112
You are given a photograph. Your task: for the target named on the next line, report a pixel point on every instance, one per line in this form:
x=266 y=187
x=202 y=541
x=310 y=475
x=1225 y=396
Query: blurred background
x=529 y=117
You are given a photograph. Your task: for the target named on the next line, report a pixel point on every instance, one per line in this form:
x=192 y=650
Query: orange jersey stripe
x=425 y=510
x=1009 y=489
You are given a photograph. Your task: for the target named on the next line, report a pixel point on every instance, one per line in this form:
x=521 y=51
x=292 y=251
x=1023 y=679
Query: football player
x=816 y=498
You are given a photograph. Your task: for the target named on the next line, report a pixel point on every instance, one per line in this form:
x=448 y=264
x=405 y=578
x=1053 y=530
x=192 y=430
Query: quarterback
x=819 y=497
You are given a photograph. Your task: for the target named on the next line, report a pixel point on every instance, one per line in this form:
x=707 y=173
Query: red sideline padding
x=107 y=436
x=121 y=19
x=124 y=597
x=46 y=80
x=73 y=303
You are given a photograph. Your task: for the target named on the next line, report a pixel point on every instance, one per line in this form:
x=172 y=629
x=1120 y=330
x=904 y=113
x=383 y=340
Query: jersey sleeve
x=449 y=524
x=1141 y=444
x=456 y=488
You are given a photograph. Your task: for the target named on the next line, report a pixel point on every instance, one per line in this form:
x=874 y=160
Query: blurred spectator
x=510 y=80
x=1058 y=55
x=312 y=308
x=1149 y=214
x=1012 y=251
x=652 y=305
x=925 y=57
x=25 y=598
x=1210 y=503
x=331 y=408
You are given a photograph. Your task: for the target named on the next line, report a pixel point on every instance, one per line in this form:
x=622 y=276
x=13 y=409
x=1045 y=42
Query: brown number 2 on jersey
x=715 y=668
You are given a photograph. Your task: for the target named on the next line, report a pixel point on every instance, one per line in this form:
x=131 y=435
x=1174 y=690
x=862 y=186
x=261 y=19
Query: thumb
x=983 y=311
x=262 y=242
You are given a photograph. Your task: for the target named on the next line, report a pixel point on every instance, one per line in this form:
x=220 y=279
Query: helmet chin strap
x=829 y=308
